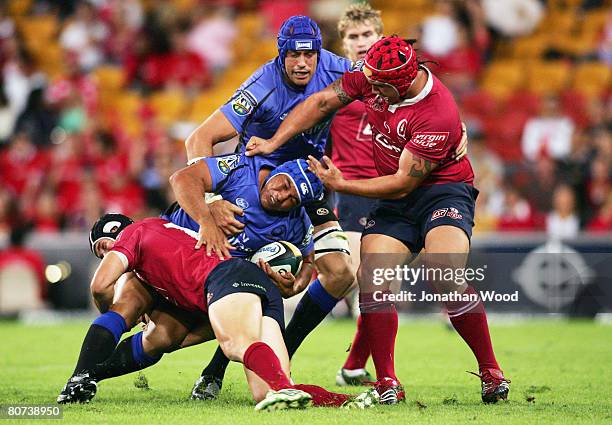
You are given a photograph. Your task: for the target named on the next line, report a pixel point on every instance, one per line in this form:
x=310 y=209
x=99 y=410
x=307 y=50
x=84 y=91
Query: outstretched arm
x=412 y=171
x=304 y=116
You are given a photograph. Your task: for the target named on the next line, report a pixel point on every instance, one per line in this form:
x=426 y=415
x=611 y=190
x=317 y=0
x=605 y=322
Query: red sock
x=262 y=360
x=380 y=327
x=321 y=397
x=470 y=321
x=360 y=349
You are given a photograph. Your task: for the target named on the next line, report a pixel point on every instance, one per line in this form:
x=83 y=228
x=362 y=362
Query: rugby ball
x=282 y=256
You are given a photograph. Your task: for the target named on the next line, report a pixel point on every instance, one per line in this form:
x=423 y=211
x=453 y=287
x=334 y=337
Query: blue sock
x=321 y=297
x=310 y=311
x=140 y=357
x=112 y=321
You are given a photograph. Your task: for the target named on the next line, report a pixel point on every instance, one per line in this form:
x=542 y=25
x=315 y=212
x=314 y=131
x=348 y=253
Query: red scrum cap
x=392 y=60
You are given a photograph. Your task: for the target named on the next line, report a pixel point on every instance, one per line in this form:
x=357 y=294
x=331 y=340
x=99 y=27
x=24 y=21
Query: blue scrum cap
x=309 y=186
x=298 y=33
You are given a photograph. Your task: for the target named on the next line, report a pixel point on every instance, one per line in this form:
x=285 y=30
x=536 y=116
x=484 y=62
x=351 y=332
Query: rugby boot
x=365 y=400
x=495 y=386
x=207 y=387
x=287 y=398
x=353 y=377
x=390 y=391
x=80 y=388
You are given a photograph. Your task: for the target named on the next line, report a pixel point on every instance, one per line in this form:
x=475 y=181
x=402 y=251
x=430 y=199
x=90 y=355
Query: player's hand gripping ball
x=283 y=257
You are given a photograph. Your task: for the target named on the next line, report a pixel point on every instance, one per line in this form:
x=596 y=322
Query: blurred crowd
x=97 y=96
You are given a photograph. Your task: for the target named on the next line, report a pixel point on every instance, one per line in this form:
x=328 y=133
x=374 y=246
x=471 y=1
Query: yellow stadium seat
x=592 y=79
x=169 y=106
x=43 y=27
x=19 y=7
x=502 y=78
x=576 y=45
x=52 y=60
x=184 y=5
x=127 y=104
x=530 y=47
x=594 y=21
x=109 y=78
x=202 y=106
x=548 y=77
x=250 y=24
x=558 y=23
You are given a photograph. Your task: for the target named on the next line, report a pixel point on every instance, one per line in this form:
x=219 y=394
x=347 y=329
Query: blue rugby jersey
x=235 y=178
x=261 y=103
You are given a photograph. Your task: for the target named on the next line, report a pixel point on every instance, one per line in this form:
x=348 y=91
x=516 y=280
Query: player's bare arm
x=461 y=150
x=215 y=129
x=190 y=185
x=305 y=274
x=304 y=116
x=410 y=174
x=103 y=283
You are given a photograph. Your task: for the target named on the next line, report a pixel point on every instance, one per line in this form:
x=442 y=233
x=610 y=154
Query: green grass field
x=561 y=373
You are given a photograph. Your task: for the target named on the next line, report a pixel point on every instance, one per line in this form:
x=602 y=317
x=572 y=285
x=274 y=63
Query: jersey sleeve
x=354 y=82
x=220 y=168
x=430 y=139
x=127 y=243
x=243 y=105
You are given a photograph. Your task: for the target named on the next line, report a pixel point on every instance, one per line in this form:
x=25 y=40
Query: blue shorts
x=410 y=219
x=353 y=211
x=237 y=275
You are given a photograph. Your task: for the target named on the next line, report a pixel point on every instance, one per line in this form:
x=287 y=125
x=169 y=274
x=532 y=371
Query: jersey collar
x=411 y=101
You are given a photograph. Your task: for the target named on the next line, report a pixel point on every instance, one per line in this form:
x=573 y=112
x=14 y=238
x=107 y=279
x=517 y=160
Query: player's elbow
x=99 y=289
x=178 y=178
x=322 y=104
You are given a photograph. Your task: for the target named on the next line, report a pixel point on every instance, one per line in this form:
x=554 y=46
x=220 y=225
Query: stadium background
x=96 y=100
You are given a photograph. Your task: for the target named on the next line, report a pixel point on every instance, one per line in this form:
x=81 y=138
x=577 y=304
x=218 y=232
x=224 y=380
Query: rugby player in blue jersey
x=271 y=198
x=258 y=108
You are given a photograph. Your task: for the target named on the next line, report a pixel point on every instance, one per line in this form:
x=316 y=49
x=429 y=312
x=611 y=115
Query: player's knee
x=341 y=276
x=234 y=347
x=159 y=340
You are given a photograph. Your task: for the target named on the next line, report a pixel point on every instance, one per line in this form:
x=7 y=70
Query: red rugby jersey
x=163 y=256
x=352 y=143
x=428 y=125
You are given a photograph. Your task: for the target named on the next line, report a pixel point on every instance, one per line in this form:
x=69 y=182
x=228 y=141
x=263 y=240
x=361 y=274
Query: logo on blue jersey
x=225 y=164
x=357 y=66
x=243 y=104
x=242 y=203
x=308 y=237
x=303 y=45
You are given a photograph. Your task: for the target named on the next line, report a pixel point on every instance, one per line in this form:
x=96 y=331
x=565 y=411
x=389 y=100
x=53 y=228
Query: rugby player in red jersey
x=359 y=27
x=427 y=199
x=243 y=305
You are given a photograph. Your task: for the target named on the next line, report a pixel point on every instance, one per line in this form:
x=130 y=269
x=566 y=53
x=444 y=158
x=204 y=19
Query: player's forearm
x=103 y=283
x=190 y=195
x=215 y=129
x=384 y=187
x=199 y=144
x=303 y=278
x=304 y=116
